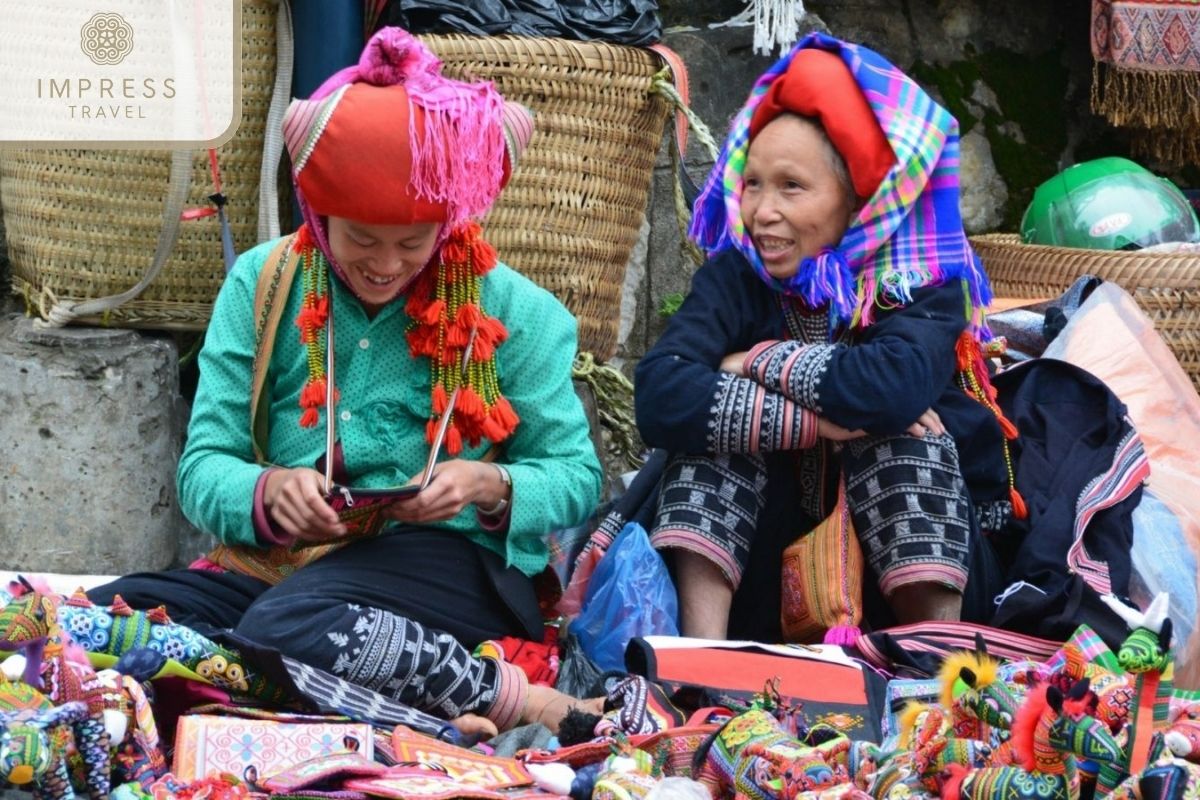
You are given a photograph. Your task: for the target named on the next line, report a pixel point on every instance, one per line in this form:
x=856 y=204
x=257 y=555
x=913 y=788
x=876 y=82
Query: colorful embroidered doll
x=1050 y=732
x=754 y=757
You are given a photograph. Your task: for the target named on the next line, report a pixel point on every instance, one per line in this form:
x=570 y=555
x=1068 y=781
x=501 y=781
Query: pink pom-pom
x=842 y=635
x=393 y=55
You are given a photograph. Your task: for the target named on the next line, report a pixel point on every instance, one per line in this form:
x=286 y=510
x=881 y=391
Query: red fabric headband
x=819 y=85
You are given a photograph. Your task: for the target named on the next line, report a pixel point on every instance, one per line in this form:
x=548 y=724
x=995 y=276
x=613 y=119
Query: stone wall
x=94 y=422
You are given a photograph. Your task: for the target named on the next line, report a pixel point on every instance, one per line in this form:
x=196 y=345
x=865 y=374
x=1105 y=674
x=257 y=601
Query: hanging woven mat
x=571 y=215
x=85 y=224
x=1165 y=285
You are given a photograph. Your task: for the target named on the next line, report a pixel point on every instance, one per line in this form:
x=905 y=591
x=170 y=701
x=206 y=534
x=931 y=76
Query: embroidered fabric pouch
x=322 y=770
x=464 y=766
x=822 y=581
x=206 y=744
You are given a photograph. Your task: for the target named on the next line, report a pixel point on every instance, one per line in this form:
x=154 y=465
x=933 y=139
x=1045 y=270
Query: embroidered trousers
x=390 y=614
x=907 y=499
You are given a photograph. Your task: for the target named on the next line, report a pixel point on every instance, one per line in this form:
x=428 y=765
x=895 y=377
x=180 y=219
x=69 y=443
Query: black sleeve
x=685 y=403
x=886 y=377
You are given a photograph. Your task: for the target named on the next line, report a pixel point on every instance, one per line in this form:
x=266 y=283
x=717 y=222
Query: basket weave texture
x=1165 y=285
x=571 y=214
x=84 y=224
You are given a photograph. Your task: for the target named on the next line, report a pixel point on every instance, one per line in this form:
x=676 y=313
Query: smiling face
x=797 y=197
x=380 y=260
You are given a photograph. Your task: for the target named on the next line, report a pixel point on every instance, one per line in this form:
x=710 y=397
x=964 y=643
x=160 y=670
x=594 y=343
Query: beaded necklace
x=444 y=308
x=973 y=377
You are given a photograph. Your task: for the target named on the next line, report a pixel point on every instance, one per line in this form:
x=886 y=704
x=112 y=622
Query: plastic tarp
x=630 y=22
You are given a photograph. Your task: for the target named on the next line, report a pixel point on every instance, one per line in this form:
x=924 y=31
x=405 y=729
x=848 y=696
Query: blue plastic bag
x=630 y=594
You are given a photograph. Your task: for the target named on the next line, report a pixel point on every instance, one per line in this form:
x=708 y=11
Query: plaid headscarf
x=909 y=234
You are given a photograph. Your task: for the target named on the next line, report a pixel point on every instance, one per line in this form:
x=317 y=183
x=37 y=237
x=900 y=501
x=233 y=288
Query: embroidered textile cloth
x=1147 y=74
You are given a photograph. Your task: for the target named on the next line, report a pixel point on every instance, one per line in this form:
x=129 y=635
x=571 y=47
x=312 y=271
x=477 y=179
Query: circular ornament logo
x=106 y=38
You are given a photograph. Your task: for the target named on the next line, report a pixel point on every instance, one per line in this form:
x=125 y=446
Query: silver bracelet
x=502 y=506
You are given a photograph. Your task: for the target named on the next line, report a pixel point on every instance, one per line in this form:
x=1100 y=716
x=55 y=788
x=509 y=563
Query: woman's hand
x=295 y=499
x=836 y=433
x=734 y=363
x=455 y=485
x=929 y=422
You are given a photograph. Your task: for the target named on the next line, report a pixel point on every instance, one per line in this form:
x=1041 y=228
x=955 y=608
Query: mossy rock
x=697 y=12
x=1027 y=129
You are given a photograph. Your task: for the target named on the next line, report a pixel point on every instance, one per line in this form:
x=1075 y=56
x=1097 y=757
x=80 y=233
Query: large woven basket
x=570 y=217
x=84 y=224
x=1166 y=286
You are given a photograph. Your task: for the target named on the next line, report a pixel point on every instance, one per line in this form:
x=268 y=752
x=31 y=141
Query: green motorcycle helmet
x=1109 y=204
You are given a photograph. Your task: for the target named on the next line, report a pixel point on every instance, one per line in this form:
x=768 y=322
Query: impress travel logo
x=106 y=39
x=137 y=73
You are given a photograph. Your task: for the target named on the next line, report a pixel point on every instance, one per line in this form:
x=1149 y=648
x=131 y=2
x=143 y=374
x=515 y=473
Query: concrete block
x=92 y=426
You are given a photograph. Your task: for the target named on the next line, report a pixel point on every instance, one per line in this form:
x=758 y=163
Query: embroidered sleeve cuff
x=758 y=357
x=794 y=369
x=265 y=530
x=747 y=418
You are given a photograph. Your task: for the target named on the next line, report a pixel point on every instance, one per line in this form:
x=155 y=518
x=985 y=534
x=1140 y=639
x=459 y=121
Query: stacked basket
x=1165 y=285
x=84 y=224
x=570 y=217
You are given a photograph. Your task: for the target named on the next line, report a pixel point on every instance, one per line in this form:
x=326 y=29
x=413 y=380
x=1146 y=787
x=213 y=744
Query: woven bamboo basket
x=1166 y=286
x=84 y=224
x=570 y=216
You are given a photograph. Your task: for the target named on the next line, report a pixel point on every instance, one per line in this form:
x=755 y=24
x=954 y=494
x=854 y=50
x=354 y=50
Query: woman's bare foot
x=475 y=727
x=548 y=706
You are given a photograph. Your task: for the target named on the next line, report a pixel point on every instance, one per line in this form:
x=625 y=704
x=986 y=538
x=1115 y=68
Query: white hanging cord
x=776 y=23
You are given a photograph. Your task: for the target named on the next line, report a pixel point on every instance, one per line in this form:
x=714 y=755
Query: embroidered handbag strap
x=270 y=300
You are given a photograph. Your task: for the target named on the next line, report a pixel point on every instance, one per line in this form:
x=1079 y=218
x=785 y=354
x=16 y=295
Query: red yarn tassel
x=469 y=404
x=468 y=316
x=471 y=429
x=304 y=239
x=439 y=399
x=505 y=415
x=1020 y=510
x=490 y=333
x=457 y=336
x=483 y=257
x=431 y=314
x=453 y=441
x=422 y=341
x=453 y=253
x=492 y=429
x=313 y=393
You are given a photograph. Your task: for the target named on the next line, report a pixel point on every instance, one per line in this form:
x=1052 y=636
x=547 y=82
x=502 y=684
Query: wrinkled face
x=380 y=260
x=794 y=202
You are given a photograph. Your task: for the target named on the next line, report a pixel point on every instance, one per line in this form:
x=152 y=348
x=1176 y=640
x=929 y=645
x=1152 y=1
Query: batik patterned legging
x=906 y=496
